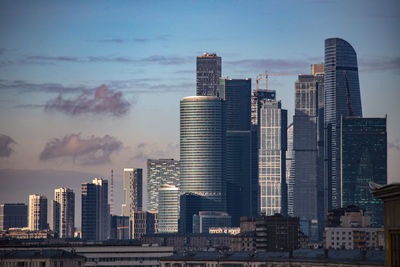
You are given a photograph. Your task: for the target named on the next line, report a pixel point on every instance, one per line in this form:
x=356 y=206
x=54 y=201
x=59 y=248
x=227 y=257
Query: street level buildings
x=95 y=210
x=37 y=212
x=63 y=212
x=133 y=191
x=363 y=150
x=208 y=71
x=160 y=171
x=13 y=215
x=342 y=98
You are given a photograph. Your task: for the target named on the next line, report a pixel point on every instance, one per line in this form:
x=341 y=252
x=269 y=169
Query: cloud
x=102 y=100
x=270 y=64
x=83 y=151
x=144 y=151
x=381 y=64
x=20 y=86
x=5 y=145
x=131 y=40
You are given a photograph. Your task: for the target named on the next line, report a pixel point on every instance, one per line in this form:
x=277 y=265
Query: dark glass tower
x=13 y=215
x=237 y=96
x=208 y=71
x=342 y=98
x=363 y=159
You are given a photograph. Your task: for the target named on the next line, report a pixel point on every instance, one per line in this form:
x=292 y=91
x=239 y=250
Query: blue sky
x=124 y=65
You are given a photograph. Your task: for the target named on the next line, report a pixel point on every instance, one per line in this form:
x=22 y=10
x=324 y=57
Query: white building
x=63 y=212
x=37 y=219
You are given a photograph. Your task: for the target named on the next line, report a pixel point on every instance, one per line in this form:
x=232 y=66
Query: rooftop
x=38 y=254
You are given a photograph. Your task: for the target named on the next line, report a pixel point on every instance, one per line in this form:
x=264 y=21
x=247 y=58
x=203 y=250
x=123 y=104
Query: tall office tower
x=237 y=96
x=290 y=166
x=160 y=171
x=37 y=212
x=208 y=71
x=202 y=150
x=363 y=160
x=272 y=157
x=143 y=223
x=307 y=129
x=13 y=215
x=133 y=191
x=119 y=228
x=168 y=209
x=256 y=97
x=342 y=98
x=95 y=210
x=63 y=212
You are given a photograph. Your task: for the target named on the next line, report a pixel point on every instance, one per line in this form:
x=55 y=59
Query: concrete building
x=13 y=215
x=363 y=149
x=203 y=221
x=143 y=223
x=208 y=71
x=202 y=151
x=25 y=233
x=119 y=228
x=37 y=212
x=342 y=99
x=272 y=157
x=95 y=210
x=308 y=131
x=133 y=191
x=63 y=212
x=168 y=209
x=160 y=171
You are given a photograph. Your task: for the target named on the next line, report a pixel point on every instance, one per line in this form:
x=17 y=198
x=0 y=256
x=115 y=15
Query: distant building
x=363 y=150
x=95 y=210
x=119 y=227
x=63 y=212
x=290 y=166
x=272 y=157
x=133 y=191
x=160 y=171
x=256 y=97
x=353 y=232
x=203 y=221
x=37 y=212
x=143 y=223
x=25 y=233
x=237 y=96
x=224 y=230
x=208 y=71
x=168 y=209
x=13 y=215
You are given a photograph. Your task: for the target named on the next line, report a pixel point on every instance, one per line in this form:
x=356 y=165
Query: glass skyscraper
x=342 y=98
x=237 y=94
x=208 y=71
x=363 y=160
x=168 y=214
x=290 y=166
x=272 y=157
x=13 y=215
x=202 y=150
x=160 y=171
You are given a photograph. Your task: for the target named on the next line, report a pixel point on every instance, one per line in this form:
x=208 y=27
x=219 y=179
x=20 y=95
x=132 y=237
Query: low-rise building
x=25 y=233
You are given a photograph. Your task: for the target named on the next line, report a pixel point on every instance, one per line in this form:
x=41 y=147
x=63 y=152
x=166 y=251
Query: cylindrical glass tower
x=168 y=209
x=202 y=148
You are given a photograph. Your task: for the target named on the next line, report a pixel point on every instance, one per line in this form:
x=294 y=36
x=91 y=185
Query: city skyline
x=110 y=76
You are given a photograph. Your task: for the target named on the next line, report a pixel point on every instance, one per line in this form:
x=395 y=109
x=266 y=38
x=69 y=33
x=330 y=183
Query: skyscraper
x=133 y=191
x=63 y=212
x=342 y=98
x=13 y=215
x=168 y=213
x=208 y=71
x=37 y=212
x=272 y=157
x=160 y=171
x=237 y=96
x=95 y=210
x=202 y=150
x=290 y=166
x=363 y=160
x=307 y=126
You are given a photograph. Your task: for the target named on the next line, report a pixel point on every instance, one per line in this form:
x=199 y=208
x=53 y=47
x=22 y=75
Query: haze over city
x=86 y=88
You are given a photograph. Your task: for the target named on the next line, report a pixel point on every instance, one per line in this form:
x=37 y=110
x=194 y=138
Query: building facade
x=95 y=210
x=37 y=212
x=160 y=171
x=307 y=129
x=168 y=209
x=143 y=223
x=272 y=158
x=208 y=71
x=133 y=191
x=363 y=160
x=119 y=228
x=342 y=98
x=290 y=167
x=237 y=96
x=63 y=212
x=203 y=221
x=13 y=215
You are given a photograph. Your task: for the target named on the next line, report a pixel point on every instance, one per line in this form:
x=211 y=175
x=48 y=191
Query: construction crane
x=259 y=77
x=274 y=74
